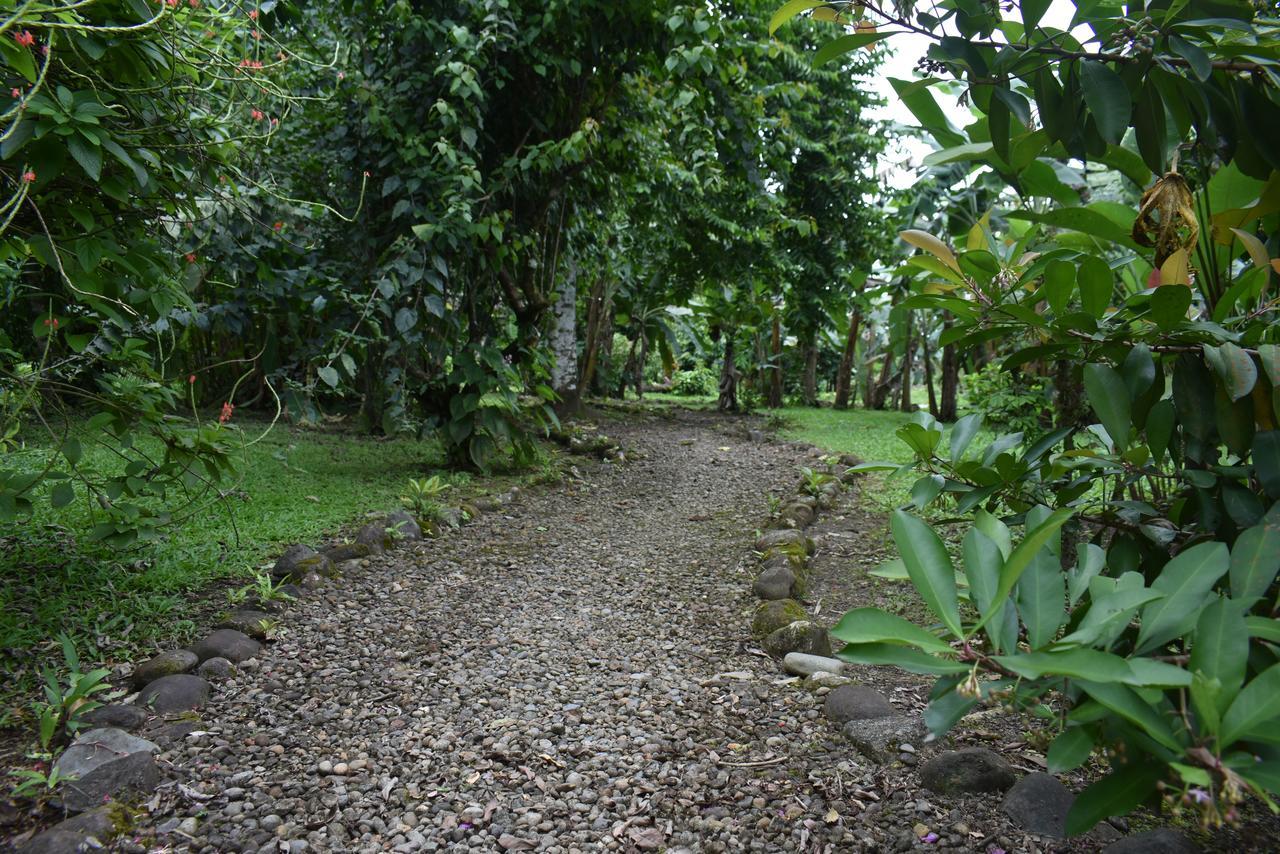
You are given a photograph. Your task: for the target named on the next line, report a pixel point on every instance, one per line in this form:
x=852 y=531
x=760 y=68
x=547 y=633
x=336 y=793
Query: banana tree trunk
x=950 y=379
x=728 y=401
x=775 y=366
x=908 y=350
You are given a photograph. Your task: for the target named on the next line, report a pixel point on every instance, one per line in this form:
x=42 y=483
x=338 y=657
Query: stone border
x=113 y=767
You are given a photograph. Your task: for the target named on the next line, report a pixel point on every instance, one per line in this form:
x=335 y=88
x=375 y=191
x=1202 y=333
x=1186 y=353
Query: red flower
x=29 y=176
x=274 y=122
x=17 y=93
x=257 y=115
x=194 y=4
x=24 y=38
x=191 y=380
x=255 y=34
x=366 y=173
x=191 y=257
x=172 y=4
x=279 y=225
x=253 y=14
x=225 y=415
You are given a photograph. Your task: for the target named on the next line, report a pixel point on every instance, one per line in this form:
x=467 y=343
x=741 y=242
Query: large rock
x=773 y=615
x=349 y=551
x=216 y=669
x=117 y=716
x=1039 y=803
x=55 y=840
x=878 y=738
x=164 y=664
x=299 y=560
x=817 y=681
x=106 y=764
x=252 y=623
x=796 y=516
x=856 y=703
x=230 y=644
x=405 y=525
x=786 y=540
x=776 y=582
x=974 y=769
x=1162 y=840
x=178 y=693
x=803 y=664
x=800 y=636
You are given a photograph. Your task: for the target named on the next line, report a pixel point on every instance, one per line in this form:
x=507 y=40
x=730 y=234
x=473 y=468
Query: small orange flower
x=257 y=115
x=191 y=380
x=278 y=225
x=29 y=176
x=253 y=14
x=17 y=93
x=225 y=415
x=191 y=257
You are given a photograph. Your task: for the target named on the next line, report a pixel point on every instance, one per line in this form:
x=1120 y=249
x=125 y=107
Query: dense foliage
x=1136 y=614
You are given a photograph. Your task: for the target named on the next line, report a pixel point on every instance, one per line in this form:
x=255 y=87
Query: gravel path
x=572 y=676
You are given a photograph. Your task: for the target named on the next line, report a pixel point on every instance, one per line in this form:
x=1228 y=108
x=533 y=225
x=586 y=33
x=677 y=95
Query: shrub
x=699 y=382
x=1015 y=400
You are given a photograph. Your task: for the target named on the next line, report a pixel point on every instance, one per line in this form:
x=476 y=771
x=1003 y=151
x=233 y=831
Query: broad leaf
x=1186 y=581
x=871 y=625
x=929 y=567
x=1256 y=707
x=1109 y=397
x=1124 y=788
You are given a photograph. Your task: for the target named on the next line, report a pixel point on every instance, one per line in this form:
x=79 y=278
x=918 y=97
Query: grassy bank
x=297 y=484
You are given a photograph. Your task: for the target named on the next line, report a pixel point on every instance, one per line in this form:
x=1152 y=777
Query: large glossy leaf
x=1088 y=664
x=789 y=10
x=1109 y=397
x=962 y=434
x=1021 y=556
x=935 y=247
x=1069 y=750
x=846 y=44
x=1234 y=367
x=871 y=625
x=1255 y=712
x=1126 y=703
x=1220 y=648
x=1096 y=283
x=1041 y=597
x=1108 y=99
x=1124 y=788
x=1186 y=581
x=929 y=567
x=1255 y=560
x=982 y=562
x=907 y=657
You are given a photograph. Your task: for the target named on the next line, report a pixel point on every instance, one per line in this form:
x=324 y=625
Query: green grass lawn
x=298 y=484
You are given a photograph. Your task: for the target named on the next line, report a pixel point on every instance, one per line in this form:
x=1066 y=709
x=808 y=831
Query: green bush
x=1017 y=401
x=699 y=382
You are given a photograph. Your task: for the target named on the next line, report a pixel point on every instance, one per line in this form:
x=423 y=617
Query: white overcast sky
x=900 y=162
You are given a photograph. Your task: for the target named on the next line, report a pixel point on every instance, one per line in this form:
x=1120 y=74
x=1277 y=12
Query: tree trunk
x=879 y=392
x=564 y=346
x=844 y=375
x=643 y=363
x=728 y=401
x=950 y=379
x=627 y=368
x=775 y=366
x=1070 y=396
x=809 y=386
x=908 y=351
x=591 y=340
x=928 y=374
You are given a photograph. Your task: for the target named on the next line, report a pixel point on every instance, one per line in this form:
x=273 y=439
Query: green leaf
x=1195 y=56
x=1090 y=560
x=871 y=625
x=1109 y=397
x=1022 y=555
x=962 y=434
x=1069 y=750
x=1108 y=99
x=1266 y=461
x=1089 y=220
x=1090 y=664
x=917 y=98
x=845 y=44
x=982 y=562
x=1169 y=305
x=929 y=567
x=1269 y=355
x=329 y=375
x=1234 y=367
x=1126 y=703
x=1220 y=648
x=1059 y=285
x=1118 y=793
x=1041 y=595
x=908 y=658
x=62 y=494
x=1097 y=283
x=789 y=10
x=88 y=155
x=1186 y=581
x=1151 y=129
x=1255 y=560
x=1032 y=12
x=1255 y=707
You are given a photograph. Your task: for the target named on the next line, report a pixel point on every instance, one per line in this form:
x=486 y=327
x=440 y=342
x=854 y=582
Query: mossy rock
x=298 y=561
x=348 y=551
x=773 y=615
x=800 y=636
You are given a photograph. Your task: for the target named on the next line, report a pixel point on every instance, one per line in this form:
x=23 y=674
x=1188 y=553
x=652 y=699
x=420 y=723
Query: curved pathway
x=570 y=676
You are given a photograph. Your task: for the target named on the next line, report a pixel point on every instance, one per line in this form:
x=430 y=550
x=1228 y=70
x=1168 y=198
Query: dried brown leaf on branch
x=1166 y=219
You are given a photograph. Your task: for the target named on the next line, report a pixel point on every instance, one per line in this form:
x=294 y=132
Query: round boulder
x=789 y=540
x=164 y=664
x=299 y=560
x=800 y=636
x=773 y=615
x=230 y=644
x=216 y=669
x=1162 y=840
x=1039 y=803
x=106 y=764
x=178 y=693
x=974 y=769
x=252 y=623
x=117 y=716
x=775 y=582
x=856 y=703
